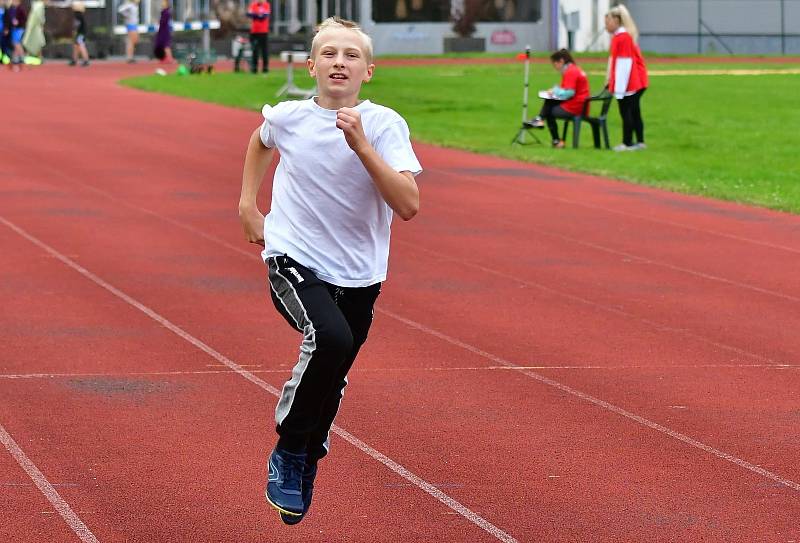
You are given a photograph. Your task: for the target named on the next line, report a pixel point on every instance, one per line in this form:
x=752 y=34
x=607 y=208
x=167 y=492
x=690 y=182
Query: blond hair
x=338 y=22
x=622 y=14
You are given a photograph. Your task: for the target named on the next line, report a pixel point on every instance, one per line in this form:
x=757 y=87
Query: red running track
x=556 y=357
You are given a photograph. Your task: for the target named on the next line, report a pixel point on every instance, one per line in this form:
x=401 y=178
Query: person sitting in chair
x=565 y=100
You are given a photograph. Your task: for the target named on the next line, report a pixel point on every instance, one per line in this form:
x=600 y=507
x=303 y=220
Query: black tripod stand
x=525 y=128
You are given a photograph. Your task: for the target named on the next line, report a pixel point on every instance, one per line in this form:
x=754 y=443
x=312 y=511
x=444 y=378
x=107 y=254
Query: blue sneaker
x=309 y=474
x=283 y=483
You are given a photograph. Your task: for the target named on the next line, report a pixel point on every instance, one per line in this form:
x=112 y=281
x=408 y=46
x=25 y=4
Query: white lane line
x=52 y=495
x=669 y=266
x=122 y=374
x=641 y=420
x=677 y=225
x=656 y=325
x=474 y=179
x=636 y=258
x=427 y=487
x=600 y=403
x=522 y=369
x=569 y=201
x=610 y=309
x=249 y=254
x=409 y=369
x=180 y=332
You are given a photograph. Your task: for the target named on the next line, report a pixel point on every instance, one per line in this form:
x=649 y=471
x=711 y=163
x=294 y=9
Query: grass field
x=733 y=137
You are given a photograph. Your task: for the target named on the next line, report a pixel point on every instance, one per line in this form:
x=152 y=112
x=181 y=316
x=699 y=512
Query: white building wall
x=428 y=38
x=718 y=26
x=591 y=34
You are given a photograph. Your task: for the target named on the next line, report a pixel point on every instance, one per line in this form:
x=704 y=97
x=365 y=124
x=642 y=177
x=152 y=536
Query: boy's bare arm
x=399 y=189
x=256 y=162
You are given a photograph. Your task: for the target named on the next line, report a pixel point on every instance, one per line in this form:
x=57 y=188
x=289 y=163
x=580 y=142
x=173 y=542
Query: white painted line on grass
x=46 y=488
x=180 y=332
x=600 y=403
x=788 y=71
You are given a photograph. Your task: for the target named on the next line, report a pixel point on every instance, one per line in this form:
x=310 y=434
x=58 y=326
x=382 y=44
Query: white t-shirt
x=130 y=13
x=326 y=212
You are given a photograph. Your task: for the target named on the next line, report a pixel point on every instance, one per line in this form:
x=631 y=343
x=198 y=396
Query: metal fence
x=718 y=26
x=288 y=16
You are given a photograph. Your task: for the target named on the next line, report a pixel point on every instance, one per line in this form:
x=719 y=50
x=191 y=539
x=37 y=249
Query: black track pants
x=334 y=322
x=552 y=110
x=630 y=110
x=259 y=47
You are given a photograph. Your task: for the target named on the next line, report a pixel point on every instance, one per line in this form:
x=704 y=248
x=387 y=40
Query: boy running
x=346 y=165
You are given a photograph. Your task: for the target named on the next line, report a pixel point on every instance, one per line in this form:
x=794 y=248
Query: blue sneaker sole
x=281 y=509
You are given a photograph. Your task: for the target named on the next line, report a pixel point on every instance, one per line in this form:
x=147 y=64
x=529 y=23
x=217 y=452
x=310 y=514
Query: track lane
x=25 y=511
x=99 y=262
x=113 y=386
x=108 y=388
x=212 y=213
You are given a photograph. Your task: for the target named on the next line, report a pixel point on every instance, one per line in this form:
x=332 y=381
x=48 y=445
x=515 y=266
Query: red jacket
x=574 y=78
x=623 y=47
x=259 y=12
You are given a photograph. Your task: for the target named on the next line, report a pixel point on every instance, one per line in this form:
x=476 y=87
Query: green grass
x=728 y=137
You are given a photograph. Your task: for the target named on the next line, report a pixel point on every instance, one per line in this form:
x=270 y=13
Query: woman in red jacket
x=627 y=76
x=260 y=12
x=567 y=99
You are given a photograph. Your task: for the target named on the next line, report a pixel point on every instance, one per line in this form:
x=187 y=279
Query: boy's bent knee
x=335 y=341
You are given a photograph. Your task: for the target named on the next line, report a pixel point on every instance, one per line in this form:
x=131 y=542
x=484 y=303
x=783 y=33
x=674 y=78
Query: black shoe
x=307 y=491
x=85 y=63
x=284 y=482
x=71 y=63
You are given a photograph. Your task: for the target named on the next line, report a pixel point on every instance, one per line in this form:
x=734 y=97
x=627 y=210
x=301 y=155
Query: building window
x=438 y=11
